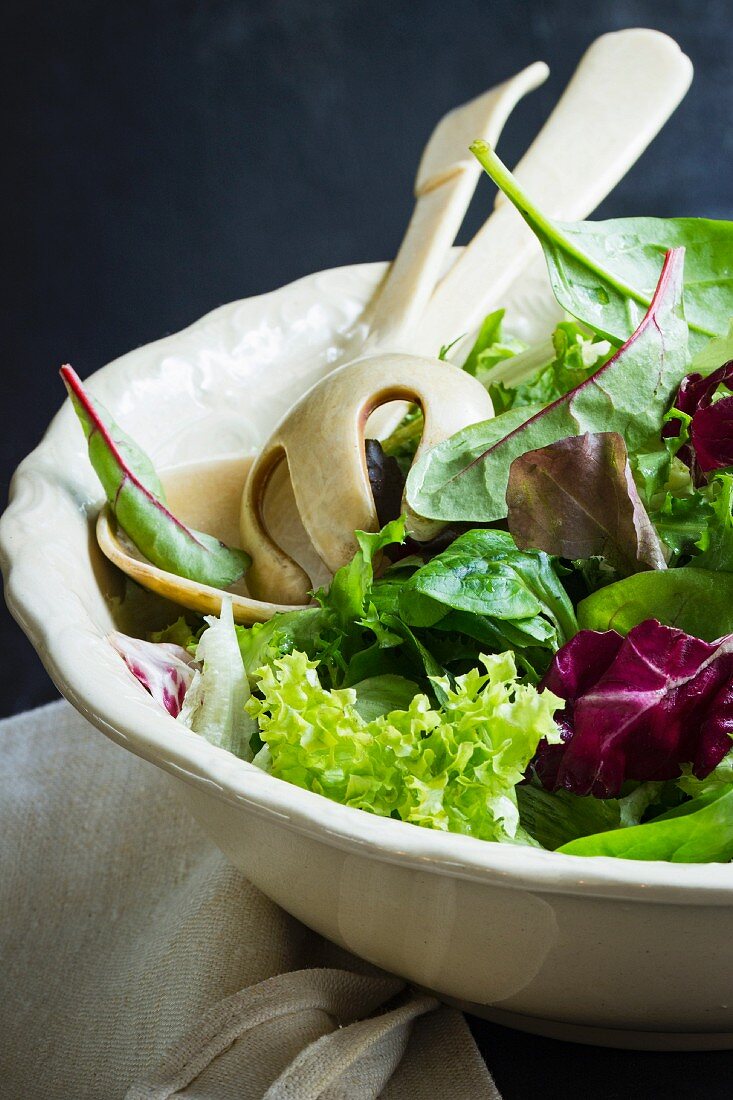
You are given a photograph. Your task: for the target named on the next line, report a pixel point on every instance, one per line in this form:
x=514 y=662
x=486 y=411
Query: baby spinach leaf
x=484 y=574
x=576 y=498
x=698 y=601
x=465 y=477
x=136 y=497
x=699 y=831
x=604 y=273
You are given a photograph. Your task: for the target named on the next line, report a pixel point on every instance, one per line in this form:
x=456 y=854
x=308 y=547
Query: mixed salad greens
x=556 y=667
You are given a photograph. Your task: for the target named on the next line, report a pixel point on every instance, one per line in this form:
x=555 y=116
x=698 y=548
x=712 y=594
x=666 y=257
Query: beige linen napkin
x=137 y=963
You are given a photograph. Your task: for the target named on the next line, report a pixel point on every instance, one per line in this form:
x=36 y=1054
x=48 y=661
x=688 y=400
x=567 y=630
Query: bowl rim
x=129 y=716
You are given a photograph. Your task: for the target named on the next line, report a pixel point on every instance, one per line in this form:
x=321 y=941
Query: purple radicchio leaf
x=164 y=669
x=711 y=435
x=695 y=394
x=576 y=498
x=637 y=708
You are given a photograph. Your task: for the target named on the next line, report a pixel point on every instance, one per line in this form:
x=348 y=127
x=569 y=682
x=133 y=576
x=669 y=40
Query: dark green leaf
x=483 y=573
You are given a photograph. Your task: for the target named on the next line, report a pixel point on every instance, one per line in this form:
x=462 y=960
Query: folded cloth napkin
x=137 y=963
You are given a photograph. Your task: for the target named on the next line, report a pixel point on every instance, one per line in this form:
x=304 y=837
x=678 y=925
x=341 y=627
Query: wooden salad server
x=446 y=180
x=624 y=89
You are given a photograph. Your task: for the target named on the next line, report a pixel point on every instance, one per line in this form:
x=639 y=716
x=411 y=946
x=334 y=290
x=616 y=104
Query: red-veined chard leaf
x=465 y=477
x=136 y=497
x=576 y=498
x=637 y=708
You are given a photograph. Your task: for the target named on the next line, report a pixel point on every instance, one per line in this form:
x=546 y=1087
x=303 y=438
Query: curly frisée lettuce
x=452 y=768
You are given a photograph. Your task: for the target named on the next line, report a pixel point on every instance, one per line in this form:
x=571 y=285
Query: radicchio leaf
x=136 y=497
x=711 y=435
x=576 y=498
x=164 y=669
x=637 y=708
x=696 y=393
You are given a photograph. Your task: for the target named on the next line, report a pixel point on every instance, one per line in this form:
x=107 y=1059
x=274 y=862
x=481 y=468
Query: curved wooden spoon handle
x=446 y=180
x=625 y=88
x=323 y=439
x=272 y=570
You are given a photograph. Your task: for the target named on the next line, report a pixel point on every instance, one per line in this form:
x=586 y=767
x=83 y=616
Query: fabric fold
x=138 y=963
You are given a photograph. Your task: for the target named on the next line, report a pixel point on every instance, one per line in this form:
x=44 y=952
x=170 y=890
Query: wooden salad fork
x=624 y=89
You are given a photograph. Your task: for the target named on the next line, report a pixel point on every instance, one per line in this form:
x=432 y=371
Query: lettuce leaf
x=454 y=768
x=700 y=831
x=555 y=818
x=214 y=703
x=576 y=355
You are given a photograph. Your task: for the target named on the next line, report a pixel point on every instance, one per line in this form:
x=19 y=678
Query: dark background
x=164 y=157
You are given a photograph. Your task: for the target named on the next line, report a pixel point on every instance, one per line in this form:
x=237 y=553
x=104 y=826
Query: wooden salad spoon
x=446 y=180
x=624 y=89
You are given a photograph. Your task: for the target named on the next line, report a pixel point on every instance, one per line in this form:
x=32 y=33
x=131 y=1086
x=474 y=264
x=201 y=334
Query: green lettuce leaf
x=556 y=818
x=699 y=831
x=381 y=694
x=719 y=777
x=697 y=601
x=214 y=705
x=575 y=356
x=490 y=347
x=454 y=768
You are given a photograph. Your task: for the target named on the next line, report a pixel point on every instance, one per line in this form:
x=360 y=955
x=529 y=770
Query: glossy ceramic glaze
x=627 y=953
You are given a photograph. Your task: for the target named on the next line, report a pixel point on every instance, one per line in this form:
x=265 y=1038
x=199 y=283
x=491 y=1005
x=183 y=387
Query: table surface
x=162 y=159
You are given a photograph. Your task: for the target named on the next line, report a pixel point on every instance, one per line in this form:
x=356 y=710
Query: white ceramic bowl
x=600 y=950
